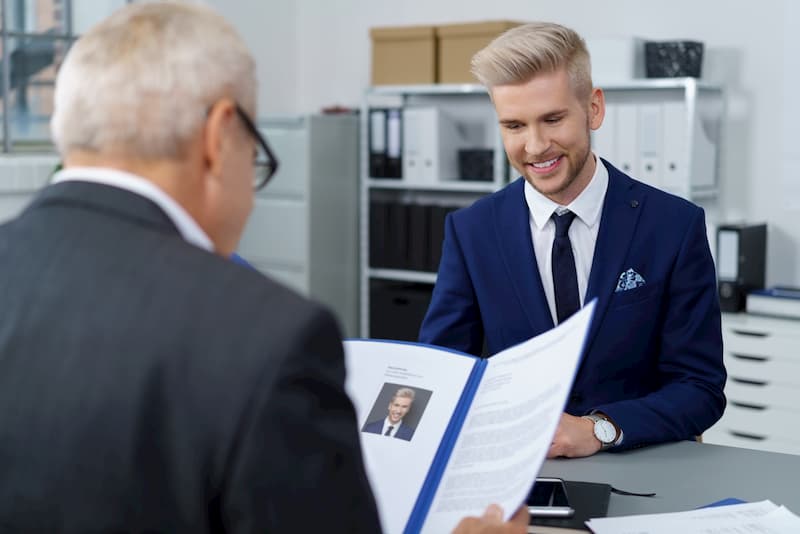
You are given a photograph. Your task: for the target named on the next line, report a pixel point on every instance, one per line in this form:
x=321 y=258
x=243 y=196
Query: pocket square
x=629 y=279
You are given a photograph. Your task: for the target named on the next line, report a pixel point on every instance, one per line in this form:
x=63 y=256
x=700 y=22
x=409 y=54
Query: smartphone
x=549 y=498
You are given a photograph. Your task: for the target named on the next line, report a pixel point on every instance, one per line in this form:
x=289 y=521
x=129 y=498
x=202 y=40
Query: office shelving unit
x=672 y=141
x=471 y=105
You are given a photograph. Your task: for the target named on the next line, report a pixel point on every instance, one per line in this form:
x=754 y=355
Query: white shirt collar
x=387 y=423
x=587 y=205
x=188 y=227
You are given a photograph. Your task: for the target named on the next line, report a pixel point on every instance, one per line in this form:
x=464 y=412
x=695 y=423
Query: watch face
x=605 y=431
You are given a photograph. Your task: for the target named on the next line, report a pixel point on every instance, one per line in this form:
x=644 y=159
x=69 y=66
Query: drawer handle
x=754 y=437
x=748 y=406
x=749 y=334
x=749 y=382
x=750 y=358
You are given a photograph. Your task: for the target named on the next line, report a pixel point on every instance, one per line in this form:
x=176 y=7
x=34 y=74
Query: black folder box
x=437 y=218
x=419 y=234
x=396 y=309
x=396 y=244
x=673 y=59
x=476 y=164
x=378 y=233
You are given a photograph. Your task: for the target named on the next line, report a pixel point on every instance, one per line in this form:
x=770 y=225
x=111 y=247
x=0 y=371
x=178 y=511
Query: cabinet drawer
x=720 y=435
x=763 y=368
x=761 y=423
x=761 y=393
x=761 y=342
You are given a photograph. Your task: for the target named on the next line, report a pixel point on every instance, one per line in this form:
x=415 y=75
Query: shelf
x=424 y=89
x=402 y=275
x=655 y=83
x=477 y=89
x=459 y=186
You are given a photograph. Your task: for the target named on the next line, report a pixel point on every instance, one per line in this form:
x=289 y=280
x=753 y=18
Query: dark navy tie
x=388 y=431
x=565 y=278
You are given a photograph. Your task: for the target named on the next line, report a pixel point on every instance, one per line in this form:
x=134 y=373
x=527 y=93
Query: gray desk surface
x=686 y=475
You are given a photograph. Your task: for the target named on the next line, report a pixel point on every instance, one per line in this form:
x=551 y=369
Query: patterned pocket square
x=629 y=279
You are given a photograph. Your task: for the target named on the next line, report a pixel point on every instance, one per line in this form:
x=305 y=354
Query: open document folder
x=471 y=431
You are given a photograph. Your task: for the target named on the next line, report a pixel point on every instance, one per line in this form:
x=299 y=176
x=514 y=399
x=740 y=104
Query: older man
x=147 y=383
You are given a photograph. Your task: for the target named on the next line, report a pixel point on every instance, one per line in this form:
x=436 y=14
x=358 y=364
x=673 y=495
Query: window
x=35 y=36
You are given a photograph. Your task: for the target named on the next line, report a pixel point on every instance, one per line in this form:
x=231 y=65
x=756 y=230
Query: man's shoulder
x=486 y=205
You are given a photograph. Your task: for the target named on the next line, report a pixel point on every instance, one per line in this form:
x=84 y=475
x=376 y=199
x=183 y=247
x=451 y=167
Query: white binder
x=604 y=139
x=431 y=140
x=650 y=144
x=627 y=139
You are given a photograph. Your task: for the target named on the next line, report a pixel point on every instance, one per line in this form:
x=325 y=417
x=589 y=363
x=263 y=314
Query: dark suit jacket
x=653 y=358
x=404 y=432
x=150 y=386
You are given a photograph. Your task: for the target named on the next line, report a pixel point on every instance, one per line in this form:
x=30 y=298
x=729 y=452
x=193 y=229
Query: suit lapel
x=623 y=204
x=516 y=247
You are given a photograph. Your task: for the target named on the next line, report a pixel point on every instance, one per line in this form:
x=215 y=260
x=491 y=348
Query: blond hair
x=522 y=52
x=406 y=393
x=140 y=82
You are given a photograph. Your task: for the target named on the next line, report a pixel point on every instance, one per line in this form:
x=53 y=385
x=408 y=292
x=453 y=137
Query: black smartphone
x=549 y=498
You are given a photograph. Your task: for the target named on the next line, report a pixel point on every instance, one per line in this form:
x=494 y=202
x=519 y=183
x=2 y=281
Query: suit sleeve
x=453 y=319
x=298 y=466
x=690 y=368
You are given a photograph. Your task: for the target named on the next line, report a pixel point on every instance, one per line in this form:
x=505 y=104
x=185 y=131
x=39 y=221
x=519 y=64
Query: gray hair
x=405 y=392
x=140 y=83
x=522 y=52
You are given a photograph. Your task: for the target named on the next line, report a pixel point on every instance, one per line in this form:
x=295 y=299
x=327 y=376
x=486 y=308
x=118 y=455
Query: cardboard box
x=403 y=55
x=457 y=44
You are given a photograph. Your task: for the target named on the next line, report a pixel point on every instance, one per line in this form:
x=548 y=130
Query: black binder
x=588 y=499
x=397 y=236
x=419 y=228
x=377 y=143
x=437 y=217
x=378 y=234
x=394 y=143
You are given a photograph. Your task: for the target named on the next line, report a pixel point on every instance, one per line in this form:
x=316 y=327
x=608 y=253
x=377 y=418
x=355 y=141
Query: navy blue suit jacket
x=376 y=427
x=653 y=358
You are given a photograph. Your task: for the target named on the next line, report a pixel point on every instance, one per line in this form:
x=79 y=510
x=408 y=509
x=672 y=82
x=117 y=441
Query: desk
x=686 y=475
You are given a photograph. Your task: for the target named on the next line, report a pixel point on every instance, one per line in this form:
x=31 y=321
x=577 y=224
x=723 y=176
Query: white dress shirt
x=587 y=206
x=387 y=424
x=188 y=228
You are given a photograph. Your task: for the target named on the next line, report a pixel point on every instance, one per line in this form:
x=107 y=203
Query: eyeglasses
x=265 y=163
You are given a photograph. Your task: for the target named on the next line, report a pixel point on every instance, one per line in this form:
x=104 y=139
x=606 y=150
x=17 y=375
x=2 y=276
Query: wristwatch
x=605 y=431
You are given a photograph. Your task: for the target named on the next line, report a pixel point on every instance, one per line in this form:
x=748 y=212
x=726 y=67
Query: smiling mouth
x=545 y=166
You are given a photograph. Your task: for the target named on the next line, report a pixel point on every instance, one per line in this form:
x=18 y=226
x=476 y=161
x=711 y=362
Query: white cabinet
x=664 y=132
x=304 y=227
x=762 y=357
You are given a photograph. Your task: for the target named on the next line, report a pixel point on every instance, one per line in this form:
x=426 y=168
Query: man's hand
x=574 y=438
x=492 y=522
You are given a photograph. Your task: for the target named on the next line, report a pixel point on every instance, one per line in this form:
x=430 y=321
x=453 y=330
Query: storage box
x=403 y=55
x=616 y=58
x=674 y=59
x=459 y=42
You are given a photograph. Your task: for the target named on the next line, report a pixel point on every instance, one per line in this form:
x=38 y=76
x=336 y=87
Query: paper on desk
x=758 y=518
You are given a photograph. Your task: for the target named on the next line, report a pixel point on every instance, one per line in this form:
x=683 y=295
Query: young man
x=392 y=425
x=573 y=228
x=147 y=382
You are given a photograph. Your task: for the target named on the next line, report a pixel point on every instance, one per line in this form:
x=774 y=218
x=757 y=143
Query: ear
x=216 y=136
x=597 y=108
